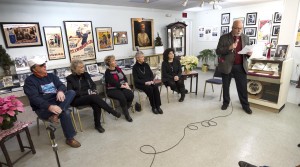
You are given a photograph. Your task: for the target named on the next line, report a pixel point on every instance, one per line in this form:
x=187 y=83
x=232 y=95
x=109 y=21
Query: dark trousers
x=65 y=115
x=124 y=96
x=153 y=94
x=177 y=86
x=96 y=102
x=240 y=77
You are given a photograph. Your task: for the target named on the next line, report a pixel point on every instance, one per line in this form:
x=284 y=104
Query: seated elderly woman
x=86 y=94
x=143 y=80
x=171 y=73
x=117 y=86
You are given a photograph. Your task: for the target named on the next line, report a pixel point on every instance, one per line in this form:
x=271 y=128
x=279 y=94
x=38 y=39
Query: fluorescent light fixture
x=184 y=3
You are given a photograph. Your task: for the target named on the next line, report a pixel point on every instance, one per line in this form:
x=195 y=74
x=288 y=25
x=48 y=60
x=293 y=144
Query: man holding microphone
x=231 y=64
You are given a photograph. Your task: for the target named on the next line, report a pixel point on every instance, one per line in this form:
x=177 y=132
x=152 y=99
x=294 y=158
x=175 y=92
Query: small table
x=191 y=75
x=5 y=135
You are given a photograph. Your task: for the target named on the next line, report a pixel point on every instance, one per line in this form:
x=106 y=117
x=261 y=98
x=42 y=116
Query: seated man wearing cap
x=49 y=98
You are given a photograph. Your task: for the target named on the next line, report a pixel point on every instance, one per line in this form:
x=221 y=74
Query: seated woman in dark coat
x=143 y=80
x=86 y=94
x=171 y=73
x=117 y=86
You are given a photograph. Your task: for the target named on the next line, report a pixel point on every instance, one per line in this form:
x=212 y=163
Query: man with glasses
x=231 y=64
x=49 y=98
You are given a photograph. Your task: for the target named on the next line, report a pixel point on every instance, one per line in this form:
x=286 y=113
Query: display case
x=268 y=83
x=177 y=37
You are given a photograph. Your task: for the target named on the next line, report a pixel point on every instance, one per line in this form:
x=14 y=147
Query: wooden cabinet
x=268 y=83
x=177 y=37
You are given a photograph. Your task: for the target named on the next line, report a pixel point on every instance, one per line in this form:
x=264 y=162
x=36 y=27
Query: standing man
x=232 y=64
x=49 y=98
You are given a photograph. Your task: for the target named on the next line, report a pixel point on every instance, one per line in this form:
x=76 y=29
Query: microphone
x=236 y=41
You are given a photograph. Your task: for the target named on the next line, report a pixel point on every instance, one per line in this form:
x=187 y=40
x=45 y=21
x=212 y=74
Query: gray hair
x=138 y=53
x=74 y=64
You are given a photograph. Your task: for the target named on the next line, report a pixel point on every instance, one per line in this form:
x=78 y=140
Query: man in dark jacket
x=49 y=99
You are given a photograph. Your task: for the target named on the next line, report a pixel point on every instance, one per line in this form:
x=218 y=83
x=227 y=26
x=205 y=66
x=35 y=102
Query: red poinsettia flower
x=9 y=107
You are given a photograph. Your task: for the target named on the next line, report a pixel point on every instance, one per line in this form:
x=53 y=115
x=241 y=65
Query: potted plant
x=206 y=55
x=5 y=61
x=159 y=49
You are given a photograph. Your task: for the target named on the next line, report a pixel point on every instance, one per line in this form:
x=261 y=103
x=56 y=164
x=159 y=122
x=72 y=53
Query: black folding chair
x=217 y=80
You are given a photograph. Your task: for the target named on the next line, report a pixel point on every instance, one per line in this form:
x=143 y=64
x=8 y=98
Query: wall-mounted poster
x=80 y=40
x=120 y=37
x=142 y=33
x=21 y=34
x=281 y=51
x=224 y=30
x=104 y=38
x=225 y=18
x=21 y=63
x=250 y=31
x=277 y=17
x=264 y=28
x=251 y=18
x=54 y=43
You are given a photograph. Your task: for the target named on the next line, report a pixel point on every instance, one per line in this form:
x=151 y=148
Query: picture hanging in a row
x=142 y=33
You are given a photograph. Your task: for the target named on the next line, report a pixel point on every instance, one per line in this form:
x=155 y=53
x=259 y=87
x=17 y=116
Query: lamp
x=184 y=3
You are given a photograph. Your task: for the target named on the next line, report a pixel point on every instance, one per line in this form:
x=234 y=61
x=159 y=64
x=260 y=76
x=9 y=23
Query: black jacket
x=166 y=71
x=80 y=84
x=142 y=73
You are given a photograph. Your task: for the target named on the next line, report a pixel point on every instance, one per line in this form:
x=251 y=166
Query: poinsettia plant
x=269 y=45
x=189 y=62
x=9 y=107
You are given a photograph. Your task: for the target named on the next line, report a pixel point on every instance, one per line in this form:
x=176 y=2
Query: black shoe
x=224 y=107
x=100 y=129
x=128 y=118
x=247 y=110
x=116 y=114
x=186 y=91
x=160 y=111
x=245 y=164
x=154 y=110
x=182 y=97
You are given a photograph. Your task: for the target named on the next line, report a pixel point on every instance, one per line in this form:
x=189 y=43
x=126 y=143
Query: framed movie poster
x=224 y=30
x=275 y=30
x=80 y=40
x=120 y=37
x=142 y=33
x=21 y=34
x=281 y=51
x=104 y=38
x=250 y=31
x=54 y=43
x=277 y=17
x=251 y=18
x=225 y=18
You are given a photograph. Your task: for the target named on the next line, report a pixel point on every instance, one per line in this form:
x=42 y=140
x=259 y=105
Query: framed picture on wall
x=80 y=40
x=251 y=18
x=250 y=31
x=281 y=51
x=275 y=30
x=54 y=43
x=274 y=42
x=18 y=35
x=252 y=41
x=277 y=17
x=225 y=18
x=120 y=37
x=224 y=30
x=240 y=18
x=142 y=33
x=297 y=43
x=104 y=38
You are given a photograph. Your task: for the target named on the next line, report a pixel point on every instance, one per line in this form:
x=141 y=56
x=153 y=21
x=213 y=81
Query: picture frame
x=22 y=78
x=225 y=18
x=80 y=40
x=297 y=42
x=142 y=33
x=21 y=63
x=281 y=51
x=251 y=18
x=250 y=31
x=274 y=42
x=120 y=37
x=54 y=42
x=92 y=69
x=104 y=38
x=224 y=30
x=252 y=41
x=277 y=17
x=239 y=18
x=264 y=28
x=275 y=30
x=21 y=34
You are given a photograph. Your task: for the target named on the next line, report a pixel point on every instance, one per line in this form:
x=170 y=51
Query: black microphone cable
x=190 y=126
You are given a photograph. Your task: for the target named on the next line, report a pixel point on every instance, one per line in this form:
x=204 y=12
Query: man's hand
x=249 y=54
x=176 y=78
x=60 y=96
x=233 y=46
x=55 y=109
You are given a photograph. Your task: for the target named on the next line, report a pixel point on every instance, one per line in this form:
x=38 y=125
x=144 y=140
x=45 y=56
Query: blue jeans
x=65 y=117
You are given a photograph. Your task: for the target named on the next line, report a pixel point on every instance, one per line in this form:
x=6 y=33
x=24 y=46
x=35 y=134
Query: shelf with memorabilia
x=268 y=83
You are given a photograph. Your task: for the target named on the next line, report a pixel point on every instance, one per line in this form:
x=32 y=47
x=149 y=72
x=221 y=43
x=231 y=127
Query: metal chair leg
x=140 y=99
x=168 y=94
x=38 y=125
x=204 y=90
x=73 y=121
x=212 y=86
x=79 y=119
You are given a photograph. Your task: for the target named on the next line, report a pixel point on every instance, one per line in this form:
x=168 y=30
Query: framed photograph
x=275 y=30
x=251 y=18
x=18 y=35
x=224 y=30
x=277 y=17
x=21 y=63
x=120 y=37
x=104 y=38
x=142 y=33
x=252 y=41
x=281 y=51
x=80 y=40
x=240 y=18
x=274 y=42
x=92 y=68
x=225 y=18
x=250 y=31
x=54 y=43
x=22 y=78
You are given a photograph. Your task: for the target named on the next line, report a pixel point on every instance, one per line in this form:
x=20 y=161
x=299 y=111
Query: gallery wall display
x=281 y=51
x=54 y=42
x=225 y=18
x=251 y=18
x=18 y=34
x=274 y=42
x=224 y=30
x=275 y=30
x=104 y=38
x=142 y=33
x=120 y=37
x=250 y=31
x=277 y=17
x=264 y=28
x=80 y=40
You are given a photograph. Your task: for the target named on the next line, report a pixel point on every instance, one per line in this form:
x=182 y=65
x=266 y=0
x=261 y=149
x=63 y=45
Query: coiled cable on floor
x=190 y=126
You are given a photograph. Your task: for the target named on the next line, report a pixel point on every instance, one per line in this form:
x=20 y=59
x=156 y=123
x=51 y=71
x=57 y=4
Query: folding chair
x=217 y=79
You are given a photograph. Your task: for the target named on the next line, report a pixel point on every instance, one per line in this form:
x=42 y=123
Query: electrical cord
x=190 y=126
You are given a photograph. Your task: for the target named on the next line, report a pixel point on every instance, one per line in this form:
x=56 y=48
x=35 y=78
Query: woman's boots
x=126 y=113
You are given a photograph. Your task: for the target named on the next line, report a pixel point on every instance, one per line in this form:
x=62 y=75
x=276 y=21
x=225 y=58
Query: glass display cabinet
x=177 y=37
